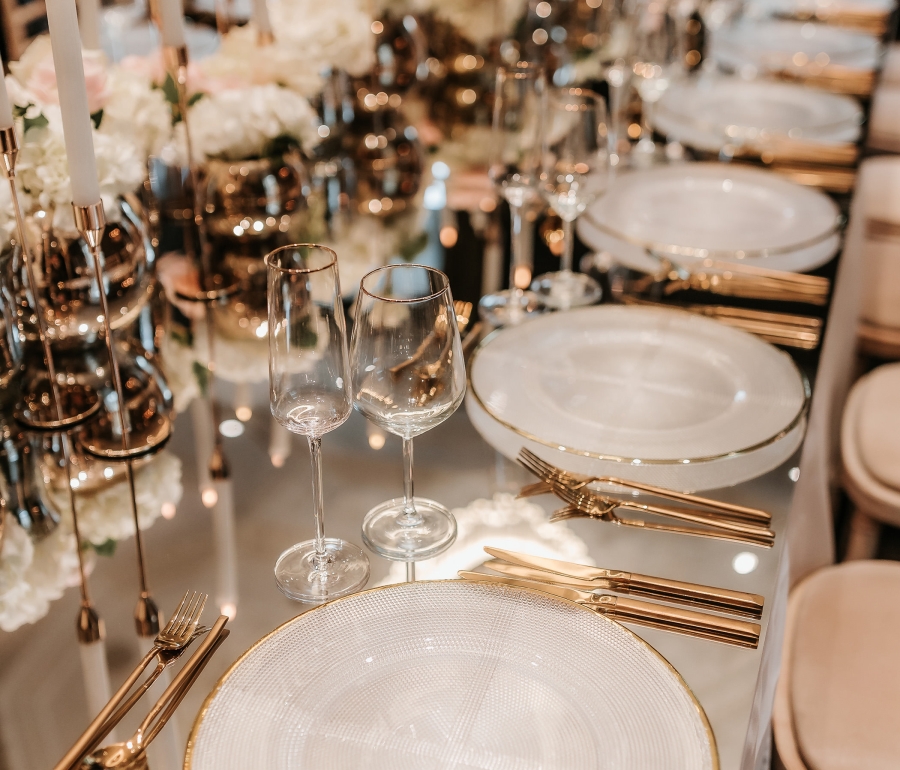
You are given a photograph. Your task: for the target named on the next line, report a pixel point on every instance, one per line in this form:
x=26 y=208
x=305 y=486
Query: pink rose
x=150 y=67
x=42 y=82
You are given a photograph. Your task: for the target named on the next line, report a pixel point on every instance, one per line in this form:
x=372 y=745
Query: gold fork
x=178 y=633
x=590 y=505
x=549 y=472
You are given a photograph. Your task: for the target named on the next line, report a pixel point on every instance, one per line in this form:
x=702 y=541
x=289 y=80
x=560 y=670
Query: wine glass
x=575 y=173
x=515 y=170
x=657 y=58
x=309 y=394
x=408 y=376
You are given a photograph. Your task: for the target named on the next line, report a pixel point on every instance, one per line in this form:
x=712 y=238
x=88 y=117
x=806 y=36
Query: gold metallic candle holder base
x=90 y=221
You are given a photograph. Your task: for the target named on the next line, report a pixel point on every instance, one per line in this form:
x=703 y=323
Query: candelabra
x=90 y=221
x=90 y=629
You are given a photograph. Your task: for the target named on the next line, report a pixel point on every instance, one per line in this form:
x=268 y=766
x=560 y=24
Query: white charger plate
x=649 y=394
x=694 y=211
x=749 y=46
x=708 y=113
x=453 y=675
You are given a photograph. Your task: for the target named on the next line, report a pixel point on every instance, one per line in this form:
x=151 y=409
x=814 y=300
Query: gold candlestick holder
x=177 y=61
x=91 y=222
x=264 y=38
x=89 y=627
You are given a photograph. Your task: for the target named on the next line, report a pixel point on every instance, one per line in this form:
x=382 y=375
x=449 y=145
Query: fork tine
x=196 y=618
x=185 y=619
x=569 y=512
x=535 y=489
x=538 y=462
x=174 y=619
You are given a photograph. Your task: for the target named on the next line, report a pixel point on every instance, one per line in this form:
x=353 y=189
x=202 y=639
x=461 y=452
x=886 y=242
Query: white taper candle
x=73 y=102
x=171 y=21
x=6 y=116
x=261 y=16
x=89 y=23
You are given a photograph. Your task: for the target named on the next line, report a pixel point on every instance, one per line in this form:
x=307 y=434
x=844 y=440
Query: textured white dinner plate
x=700 y=210
x=642 y=392
x=451 y=675
x=749 y=47
x=708 y=113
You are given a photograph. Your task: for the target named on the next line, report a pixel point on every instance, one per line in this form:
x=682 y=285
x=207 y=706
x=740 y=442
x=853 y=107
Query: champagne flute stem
x=616 y=91
x=315 y=457
x=515 y=246
x=568 y=245
x=410 y=572
x=409 y=517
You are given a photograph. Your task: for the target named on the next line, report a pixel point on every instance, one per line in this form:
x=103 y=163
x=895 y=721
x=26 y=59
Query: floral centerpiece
x=131 y=120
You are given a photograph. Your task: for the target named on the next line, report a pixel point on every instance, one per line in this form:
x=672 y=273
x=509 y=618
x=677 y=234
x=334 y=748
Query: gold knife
x=687 y=622
x=709 y=597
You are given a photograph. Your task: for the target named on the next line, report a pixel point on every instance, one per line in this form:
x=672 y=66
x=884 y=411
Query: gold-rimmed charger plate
x=451 y=674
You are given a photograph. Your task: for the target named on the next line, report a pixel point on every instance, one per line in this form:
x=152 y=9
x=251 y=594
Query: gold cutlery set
x=168 y=646
x=739 y=281
x=579 y=583
x=712 y=518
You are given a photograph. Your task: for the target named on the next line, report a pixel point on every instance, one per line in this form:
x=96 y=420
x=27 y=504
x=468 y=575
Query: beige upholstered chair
x=879 y=191
x=870 y=459
x=837 y=704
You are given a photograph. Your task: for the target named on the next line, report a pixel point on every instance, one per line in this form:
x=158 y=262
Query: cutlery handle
x=709 y=597
x=737 y=527
x=687 y=622
x=99 y=729
x=186 y=685
x=737 y=511
x=761 y=540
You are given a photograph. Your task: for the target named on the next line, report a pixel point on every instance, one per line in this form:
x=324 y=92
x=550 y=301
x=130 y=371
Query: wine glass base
x=384 y=532
x=347 y=571
x=507 y=308
x=566 y=289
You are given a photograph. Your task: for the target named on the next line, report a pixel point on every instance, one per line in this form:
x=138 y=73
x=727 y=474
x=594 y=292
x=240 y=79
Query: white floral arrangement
x=476 y=20
x=311 y=38
x=131 y=117
x=33 y=574
x=251 y=122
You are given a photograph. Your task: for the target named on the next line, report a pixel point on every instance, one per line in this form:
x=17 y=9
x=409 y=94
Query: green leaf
x=96 y=117
x=107 y=548
x=282 y=144
x=22 y=112
x=194 y=98
x=202 y=375
x=170 y=90
x=182 y=336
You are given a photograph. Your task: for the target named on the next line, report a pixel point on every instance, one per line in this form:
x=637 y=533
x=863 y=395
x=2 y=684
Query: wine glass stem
x=410 y=572
x=409 y=517
x=515 y=247
x=568 y=245
x=315 y=457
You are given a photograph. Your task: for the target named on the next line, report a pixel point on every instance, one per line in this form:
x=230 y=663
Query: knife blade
x=710 y=597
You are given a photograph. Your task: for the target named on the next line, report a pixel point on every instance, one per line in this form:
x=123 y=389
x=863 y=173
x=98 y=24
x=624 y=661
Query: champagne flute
x=408 y=376
x=309 y=394
x=575 y=174
x=515 y=170
x=658 y=58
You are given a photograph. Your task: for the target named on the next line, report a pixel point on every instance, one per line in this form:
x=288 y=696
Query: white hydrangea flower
x=106 y=514
x=33 y=575
x=136 y=109
x=240 y=123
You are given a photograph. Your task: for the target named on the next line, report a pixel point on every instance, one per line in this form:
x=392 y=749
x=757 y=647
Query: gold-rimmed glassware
x=575 y=173
x=408 y=377
x=515 y=169
x=309 y=392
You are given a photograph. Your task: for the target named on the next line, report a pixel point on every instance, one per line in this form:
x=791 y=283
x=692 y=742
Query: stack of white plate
x=709 y=113
x=751 y=47
x=653 y=395
x=696 y=211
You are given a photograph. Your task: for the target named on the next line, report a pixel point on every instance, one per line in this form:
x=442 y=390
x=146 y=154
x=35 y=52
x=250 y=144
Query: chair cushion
x=845 y=667
x=878 y=425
